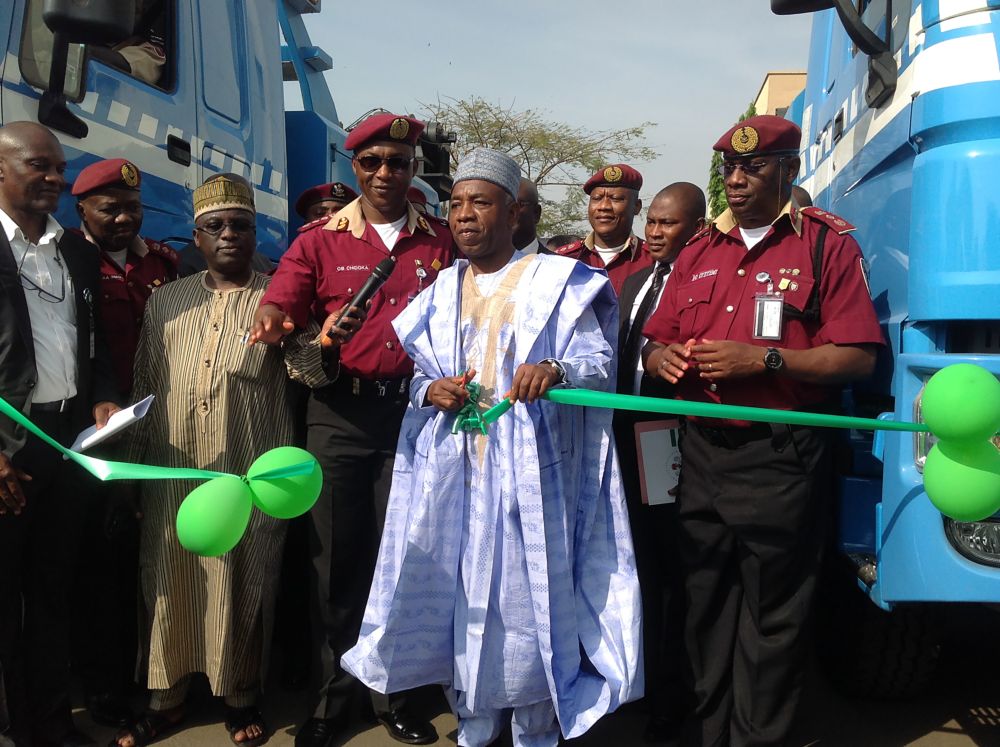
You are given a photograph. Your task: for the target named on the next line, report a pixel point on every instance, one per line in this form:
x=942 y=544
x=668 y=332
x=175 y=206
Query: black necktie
x=630 y=355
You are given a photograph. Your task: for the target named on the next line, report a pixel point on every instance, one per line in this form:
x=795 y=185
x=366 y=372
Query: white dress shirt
x=635 y=310
x=53 y=323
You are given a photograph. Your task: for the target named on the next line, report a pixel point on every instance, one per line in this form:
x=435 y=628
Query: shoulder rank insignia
x=700 y=234
x=162 y=250
x=568 y=248
x=314 y=224
x=343 y=223
x=835 y=222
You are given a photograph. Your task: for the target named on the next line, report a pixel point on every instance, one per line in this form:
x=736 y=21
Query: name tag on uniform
x=768 y=314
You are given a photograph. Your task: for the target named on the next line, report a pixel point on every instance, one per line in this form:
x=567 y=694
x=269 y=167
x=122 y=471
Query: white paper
x=659 y=460
x=119 y=421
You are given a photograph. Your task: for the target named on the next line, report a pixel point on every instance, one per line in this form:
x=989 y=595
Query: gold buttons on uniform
x=741 y=272
x=392 y=301
x=388 y=345
x=729 y=309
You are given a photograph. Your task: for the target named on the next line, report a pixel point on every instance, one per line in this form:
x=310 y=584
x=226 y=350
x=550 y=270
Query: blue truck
x=901 y=136
x=213 y=103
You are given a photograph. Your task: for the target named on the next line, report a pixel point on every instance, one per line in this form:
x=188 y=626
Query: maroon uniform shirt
x=326 y=265
x=124 y=293
x=711 y=291
x=631 y=259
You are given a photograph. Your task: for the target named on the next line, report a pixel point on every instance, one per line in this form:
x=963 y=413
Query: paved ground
x=961 y=710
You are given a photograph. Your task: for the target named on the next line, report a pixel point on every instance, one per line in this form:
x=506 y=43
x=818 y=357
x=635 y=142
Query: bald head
x=529 y=212
x=675 y=215
x=32 y=165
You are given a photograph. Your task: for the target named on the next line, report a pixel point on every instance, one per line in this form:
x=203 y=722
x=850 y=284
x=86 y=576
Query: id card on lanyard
x=768 y=311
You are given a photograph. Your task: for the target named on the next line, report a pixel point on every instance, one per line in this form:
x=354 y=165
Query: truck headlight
x=978 y=541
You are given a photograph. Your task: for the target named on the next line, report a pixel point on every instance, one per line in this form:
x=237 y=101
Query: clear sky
x=690 y=67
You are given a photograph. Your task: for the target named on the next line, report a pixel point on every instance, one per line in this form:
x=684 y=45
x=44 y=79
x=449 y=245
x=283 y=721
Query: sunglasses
x=215 y=227
x=371 y=164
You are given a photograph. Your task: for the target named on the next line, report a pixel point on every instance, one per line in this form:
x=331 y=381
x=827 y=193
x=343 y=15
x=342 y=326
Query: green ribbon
x=104 y=469
x=588 y=398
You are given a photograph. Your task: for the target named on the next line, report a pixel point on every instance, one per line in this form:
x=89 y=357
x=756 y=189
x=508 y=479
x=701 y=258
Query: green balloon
x=962 y=403
x=214 y=516
x=962 y=479
x=289 y=496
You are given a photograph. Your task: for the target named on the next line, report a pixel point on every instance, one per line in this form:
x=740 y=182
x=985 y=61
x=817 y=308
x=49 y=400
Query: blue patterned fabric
x=548 y=483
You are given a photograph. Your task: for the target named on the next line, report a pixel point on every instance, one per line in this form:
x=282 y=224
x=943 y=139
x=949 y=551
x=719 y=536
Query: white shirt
x=607 y=255
x=752 y=236
x=532 y=248
x=53 y=324
x=487 y=282
x=635 y=310
x=390 y=231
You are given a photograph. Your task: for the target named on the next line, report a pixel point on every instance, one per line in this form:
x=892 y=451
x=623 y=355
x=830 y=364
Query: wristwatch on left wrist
x=773 y=360
x=558 y=367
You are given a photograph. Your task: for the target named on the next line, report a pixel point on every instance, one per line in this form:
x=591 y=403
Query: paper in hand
x=119 y=421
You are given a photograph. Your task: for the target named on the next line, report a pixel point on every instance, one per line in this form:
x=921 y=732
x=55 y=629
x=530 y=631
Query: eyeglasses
x=749 y=168
x=46 y=295
x=371 y=164
x=215 y=227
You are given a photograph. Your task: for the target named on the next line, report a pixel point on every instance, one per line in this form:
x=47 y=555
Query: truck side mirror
x=78 y=22
x=882 y=70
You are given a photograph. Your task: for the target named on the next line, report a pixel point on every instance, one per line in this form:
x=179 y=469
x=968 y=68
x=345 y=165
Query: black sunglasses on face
x=216 y=227
x=371 y=164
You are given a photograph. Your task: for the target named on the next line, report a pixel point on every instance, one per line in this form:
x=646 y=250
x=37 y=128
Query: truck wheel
x=868 y=652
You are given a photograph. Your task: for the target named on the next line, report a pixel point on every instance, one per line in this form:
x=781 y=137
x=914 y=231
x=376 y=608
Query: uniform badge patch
x=337 y=190
x=422 y=224
x=745 y=140
x=612 y=174
x=436 y=264
x=399 y=129
x=343 y=223
x=130 y=174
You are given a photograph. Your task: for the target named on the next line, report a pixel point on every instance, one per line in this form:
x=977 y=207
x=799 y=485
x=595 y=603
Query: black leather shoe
x=317 y=732
x=72 y=738
x=407 y=728
x=107 y=710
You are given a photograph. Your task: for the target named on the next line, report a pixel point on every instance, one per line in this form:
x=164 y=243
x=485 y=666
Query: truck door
x=148 y=120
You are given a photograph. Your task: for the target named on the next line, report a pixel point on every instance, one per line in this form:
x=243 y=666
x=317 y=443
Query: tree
x=716 y=187
x=553 y=154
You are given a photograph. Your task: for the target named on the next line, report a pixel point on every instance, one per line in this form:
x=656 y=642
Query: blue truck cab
x=215 y=103
x=900 y=126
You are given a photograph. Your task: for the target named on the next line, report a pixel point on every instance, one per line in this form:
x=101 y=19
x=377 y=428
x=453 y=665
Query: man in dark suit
x=529 y=212
x=54 y=367
x=676 y=214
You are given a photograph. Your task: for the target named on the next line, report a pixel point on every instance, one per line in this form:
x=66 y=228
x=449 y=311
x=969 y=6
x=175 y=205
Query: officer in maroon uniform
x=353 y=424
x=110 y=209
x=614 y=204
x=769 y=306
x=322 y=201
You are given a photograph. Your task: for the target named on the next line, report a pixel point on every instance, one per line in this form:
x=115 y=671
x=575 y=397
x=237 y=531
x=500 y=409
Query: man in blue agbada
x=506 y=569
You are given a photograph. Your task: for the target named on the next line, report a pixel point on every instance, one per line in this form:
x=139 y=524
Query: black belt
x=373 y=388
x=734 y=437
x=60 y=405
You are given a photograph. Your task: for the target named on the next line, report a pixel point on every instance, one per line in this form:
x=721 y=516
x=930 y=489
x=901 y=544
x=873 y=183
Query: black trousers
x=654 y=535
x=752 y=527
x=354 y=439
x=37 y=554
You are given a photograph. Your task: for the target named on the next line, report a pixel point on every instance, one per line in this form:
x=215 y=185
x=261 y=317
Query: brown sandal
x=150 y=727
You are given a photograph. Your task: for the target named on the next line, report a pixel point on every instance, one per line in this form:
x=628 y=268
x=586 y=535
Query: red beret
x=615 y=175
x=335 y=191
x=392 y=127
x=760 y=135
x=115 y=172
x=416 y=196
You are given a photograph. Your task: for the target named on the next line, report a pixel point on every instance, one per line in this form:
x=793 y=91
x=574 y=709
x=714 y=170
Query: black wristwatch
x=773 y=360
x=558 y=367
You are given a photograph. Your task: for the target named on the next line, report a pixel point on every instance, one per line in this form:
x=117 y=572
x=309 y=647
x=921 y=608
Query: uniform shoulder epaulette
x=568 y=248
x=162 y=250
x=835 y=222
x=700 y=235
x=313 y=224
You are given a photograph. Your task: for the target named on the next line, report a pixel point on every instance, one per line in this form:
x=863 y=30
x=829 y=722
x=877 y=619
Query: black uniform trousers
x=37 y=554
x=654 y=536
x=354 y=439
x=752 y=526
